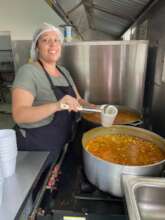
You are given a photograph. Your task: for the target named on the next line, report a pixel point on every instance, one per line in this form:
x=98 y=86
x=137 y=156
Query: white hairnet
x=45 y=27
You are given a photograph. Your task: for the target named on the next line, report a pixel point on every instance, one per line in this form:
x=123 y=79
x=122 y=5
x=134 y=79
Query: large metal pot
x=93 y=120
x=107 y=176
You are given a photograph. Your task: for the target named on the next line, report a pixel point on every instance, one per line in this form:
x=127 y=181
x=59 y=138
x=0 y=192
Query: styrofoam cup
x=8 y=167
x=108 y=115
x=8 y=157
x=1 y=191
x=8 y=148
x=1 y=184
x=5 y=133
x=8 y=144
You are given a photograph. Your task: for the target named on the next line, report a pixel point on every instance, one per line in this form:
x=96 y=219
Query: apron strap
x=50 y=80
x=64 y=76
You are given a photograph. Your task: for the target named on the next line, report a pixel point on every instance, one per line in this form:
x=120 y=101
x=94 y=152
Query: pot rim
x=122 y=165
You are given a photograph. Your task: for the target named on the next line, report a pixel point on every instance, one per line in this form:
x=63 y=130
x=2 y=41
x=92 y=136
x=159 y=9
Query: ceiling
x=111 y=17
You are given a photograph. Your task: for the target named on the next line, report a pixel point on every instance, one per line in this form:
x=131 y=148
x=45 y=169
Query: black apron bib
x=51 y=137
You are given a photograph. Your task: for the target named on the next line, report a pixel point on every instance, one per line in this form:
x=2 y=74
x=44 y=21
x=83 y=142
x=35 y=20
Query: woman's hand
x=71 y=102
x=83 y=102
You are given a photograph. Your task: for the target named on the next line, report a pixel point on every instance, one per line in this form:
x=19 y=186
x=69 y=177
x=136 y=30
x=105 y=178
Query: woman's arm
x=24 y=112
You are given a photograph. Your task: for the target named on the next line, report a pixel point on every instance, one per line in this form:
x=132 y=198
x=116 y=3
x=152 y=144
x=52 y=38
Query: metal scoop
x=82 y=109
x=108 y=113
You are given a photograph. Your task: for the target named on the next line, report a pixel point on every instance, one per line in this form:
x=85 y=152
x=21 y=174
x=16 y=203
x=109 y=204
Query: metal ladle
x=81 y=108
x=108 y=112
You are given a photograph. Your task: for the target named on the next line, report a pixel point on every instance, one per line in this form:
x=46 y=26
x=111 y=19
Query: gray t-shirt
x=32 y=78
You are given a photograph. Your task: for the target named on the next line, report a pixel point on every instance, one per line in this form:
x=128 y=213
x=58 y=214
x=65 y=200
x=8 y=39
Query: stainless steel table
x=18 y=186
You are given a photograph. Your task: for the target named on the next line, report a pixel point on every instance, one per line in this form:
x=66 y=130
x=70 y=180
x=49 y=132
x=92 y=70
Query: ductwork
x=100 y=19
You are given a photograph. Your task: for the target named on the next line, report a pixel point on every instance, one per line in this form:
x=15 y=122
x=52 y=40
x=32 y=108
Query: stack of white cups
x=8 y=152
x=1 y=186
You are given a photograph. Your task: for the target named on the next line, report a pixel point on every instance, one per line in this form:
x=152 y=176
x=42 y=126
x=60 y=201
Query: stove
x=73 y=197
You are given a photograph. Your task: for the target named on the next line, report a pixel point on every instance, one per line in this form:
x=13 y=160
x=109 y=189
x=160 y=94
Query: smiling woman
x=39 y=89
x=49 y=51
x=48 y=48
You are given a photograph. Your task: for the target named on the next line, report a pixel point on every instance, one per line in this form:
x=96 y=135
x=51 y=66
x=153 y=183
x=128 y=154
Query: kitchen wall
x=5 y=46
x=108 y=71
x=21 y=18
x=152 y=27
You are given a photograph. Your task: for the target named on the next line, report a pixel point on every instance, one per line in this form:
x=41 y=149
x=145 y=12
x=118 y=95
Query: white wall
x=22 y=17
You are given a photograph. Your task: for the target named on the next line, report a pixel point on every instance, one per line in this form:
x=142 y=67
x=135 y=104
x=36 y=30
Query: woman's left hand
x=83 y=102
x=70 y=102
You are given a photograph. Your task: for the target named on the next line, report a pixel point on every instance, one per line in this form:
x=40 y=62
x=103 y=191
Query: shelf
x=8 y=50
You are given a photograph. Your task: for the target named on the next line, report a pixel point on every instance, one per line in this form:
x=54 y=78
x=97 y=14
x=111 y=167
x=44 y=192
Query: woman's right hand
x=71 y=102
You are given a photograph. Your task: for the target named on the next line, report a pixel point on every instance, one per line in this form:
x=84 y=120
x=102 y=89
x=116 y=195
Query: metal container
x=108 y=71
x=107 y=176
x=94 y=119
x=144 y=197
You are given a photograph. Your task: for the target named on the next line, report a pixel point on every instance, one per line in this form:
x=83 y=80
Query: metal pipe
x=95 y=6
x=144 y=12
x=59 y=10
x=74 y=8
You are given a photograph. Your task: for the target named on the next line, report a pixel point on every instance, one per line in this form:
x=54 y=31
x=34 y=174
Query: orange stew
x=125 y=149
x=123 y=117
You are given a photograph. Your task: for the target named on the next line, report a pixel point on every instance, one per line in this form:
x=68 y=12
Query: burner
x=84 y=184
x=86 y=191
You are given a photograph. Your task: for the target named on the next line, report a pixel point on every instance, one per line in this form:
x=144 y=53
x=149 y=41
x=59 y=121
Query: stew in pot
x=123 y=117
x=125 y=149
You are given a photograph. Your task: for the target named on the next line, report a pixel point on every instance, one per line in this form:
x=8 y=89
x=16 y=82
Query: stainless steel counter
x=18 y=186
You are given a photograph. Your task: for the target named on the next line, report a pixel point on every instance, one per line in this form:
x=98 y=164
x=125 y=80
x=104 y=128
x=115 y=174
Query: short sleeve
x=25 y=79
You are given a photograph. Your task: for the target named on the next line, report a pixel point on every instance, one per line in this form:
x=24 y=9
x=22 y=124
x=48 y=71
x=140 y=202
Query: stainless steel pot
x=108 y=176
x=139 y=116
x=121 y=110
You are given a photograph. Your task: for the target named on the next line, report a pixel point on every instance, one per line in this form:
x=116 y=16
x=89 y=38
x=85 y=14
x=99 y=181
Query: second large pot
x=125 y=116
x=108 y=176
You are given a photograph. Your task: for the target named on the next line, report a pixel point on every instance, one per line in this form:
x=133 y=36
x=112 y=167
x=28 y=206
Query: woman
x=39 y=90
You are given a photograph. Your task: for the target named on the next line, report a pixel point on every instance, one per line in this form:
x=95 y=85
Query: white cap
x=45 y=27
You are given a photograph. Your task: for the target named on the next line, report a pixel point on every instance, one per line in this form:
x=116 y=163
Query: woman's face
x=49 y=47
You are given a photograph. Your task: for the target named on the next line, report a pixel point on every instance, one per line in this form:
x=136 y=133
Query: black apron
x=51 y=137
